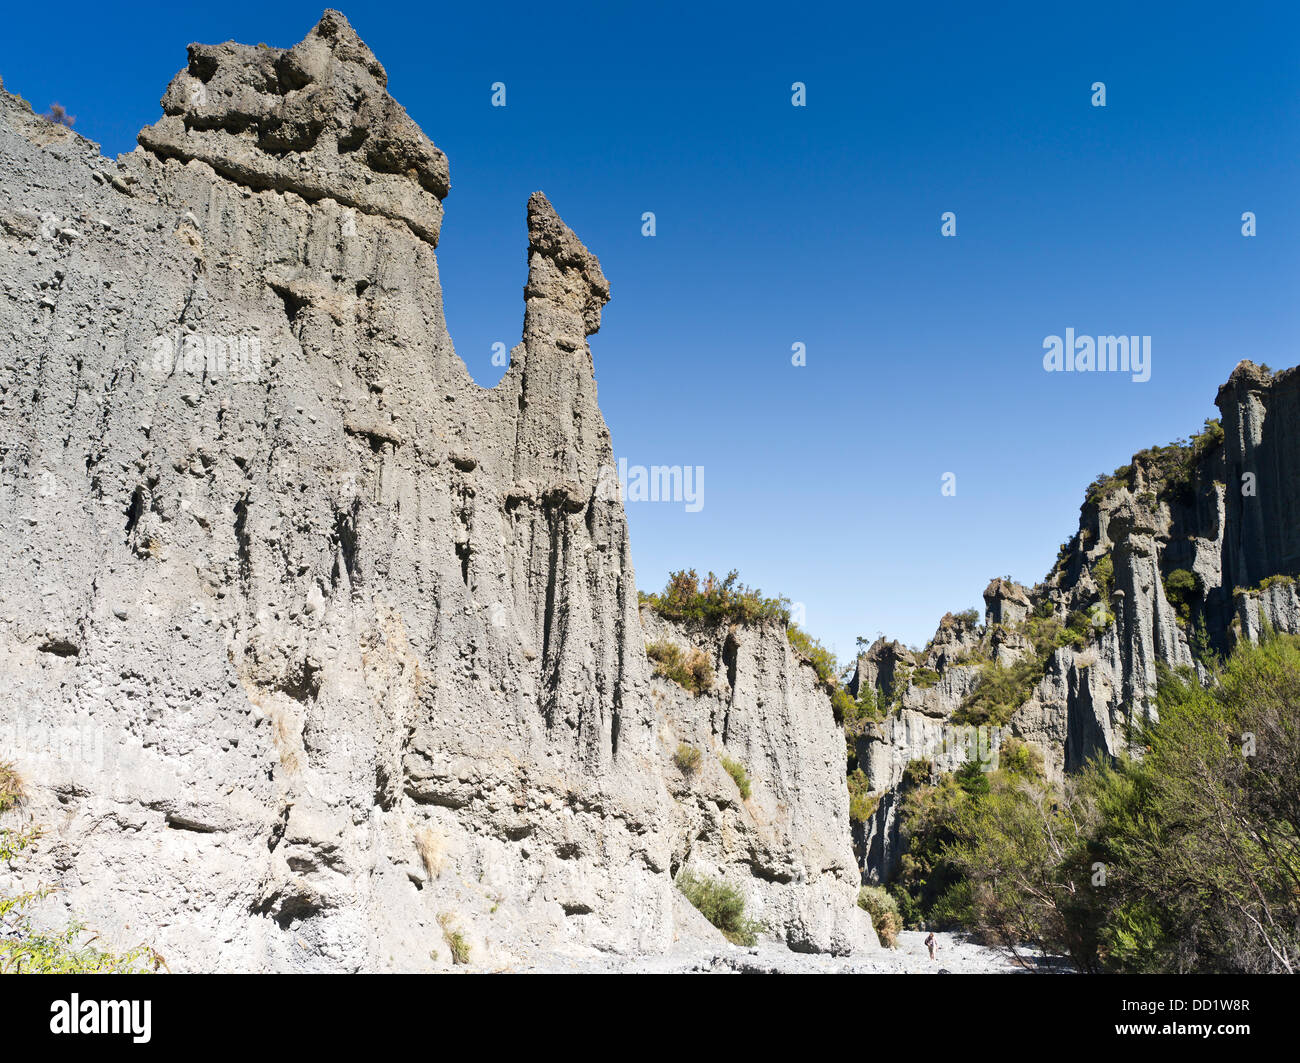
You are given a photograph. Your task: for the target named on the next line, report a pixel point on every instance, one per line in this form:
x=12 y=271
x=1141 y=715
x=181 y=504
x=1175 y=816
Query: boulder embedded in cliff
x=1005 y=602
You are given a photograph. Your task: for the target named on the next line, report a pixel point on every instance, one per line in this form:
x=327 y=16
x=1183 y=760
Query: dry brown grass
x=285 y=734
x=13 y=791
x=432 y=848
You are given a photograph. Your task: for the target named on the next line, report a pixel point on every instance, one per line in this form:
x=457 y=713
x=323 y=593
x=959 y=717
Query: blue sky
x=821 y=225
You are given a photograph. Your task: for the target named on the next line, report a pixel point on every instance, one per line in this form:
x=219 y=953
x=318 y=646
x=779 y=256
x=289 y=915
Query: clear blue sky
x=821 y=225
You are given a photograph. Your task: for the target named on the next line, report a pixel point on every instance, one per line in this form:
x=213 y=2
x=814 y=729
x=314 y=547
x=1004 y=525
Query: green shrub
x=902 y=679
x=691 y=671
x=13 y=840
x=456 y=940
x=926 y=819
x=667 y=655
x=814 y=653
x=859 y=714
x=924 y=677
x=953 y=907
x=871 y=704
x=1198 y=641
x=12 y=791
x=862 y=806
x=1001 y=689
x=1199 y=840
x=1104 y=486
x=998 y=692
x=66 y=951
x=741 y=777
x=1278 y=579
x=972 y=778
x=884 y=914
x=722 y=905
x=1080 y=628
x=1017 y=757
x=933 y=887
x=1182 y=588
x=918 y=772
x=1208 y=438
x=687 y=758
x=1104 y=573
x=699 y=672
x=843 y=707
x=717 y=601
x=1063 y=553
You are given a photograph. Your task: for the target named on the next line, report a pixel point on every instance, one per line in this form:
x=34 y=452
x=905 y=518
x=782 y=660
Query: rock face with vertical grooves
x=1178 y=555
x=786 y=844
x=313 y=648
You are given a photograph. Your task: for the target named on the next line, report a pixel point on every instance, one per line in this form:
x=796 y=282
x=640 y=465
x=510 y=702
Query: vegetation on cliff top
x=1168 y=468
x=1278 y=579
x=713 y=601
x=685 y=599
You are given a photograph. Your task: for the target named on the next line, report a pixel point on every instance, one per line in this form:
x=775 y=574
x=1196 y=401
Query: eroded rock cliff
x=316 y=653
x=1177 y=555
x=762 y=711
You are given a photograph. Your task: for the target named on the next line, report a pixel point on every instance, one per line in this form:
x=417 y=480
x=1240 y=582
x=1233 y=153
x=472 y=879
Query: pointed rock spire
x=561 y=270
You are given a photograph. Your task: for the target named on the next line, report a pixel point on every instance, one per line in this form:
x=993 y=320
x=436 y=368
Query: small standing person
x=929 y=943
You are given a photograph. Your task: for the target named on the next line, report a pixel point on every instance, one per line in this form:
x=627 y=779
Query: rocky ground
x=953 y=955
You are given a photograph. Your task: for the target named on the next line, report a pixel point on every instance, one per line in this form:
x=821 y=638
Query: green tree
x=1185 y=860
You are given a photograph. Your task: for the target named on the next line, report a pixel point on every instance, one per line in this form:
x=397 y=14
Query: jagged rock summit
x=315 y=653
x=315 y=119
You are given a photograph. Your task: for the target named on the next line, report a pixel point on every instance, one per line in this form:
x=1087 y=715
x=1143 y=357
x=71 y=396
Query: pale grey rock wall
x=1276 y=605
x=787 y=846
x=311 y=645
x=308 y=640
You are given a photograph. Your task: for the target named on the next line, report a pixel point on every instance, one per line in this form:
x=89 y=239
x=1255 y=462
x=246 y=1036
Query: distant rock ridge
x=1178 y=555
x=314 y=650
